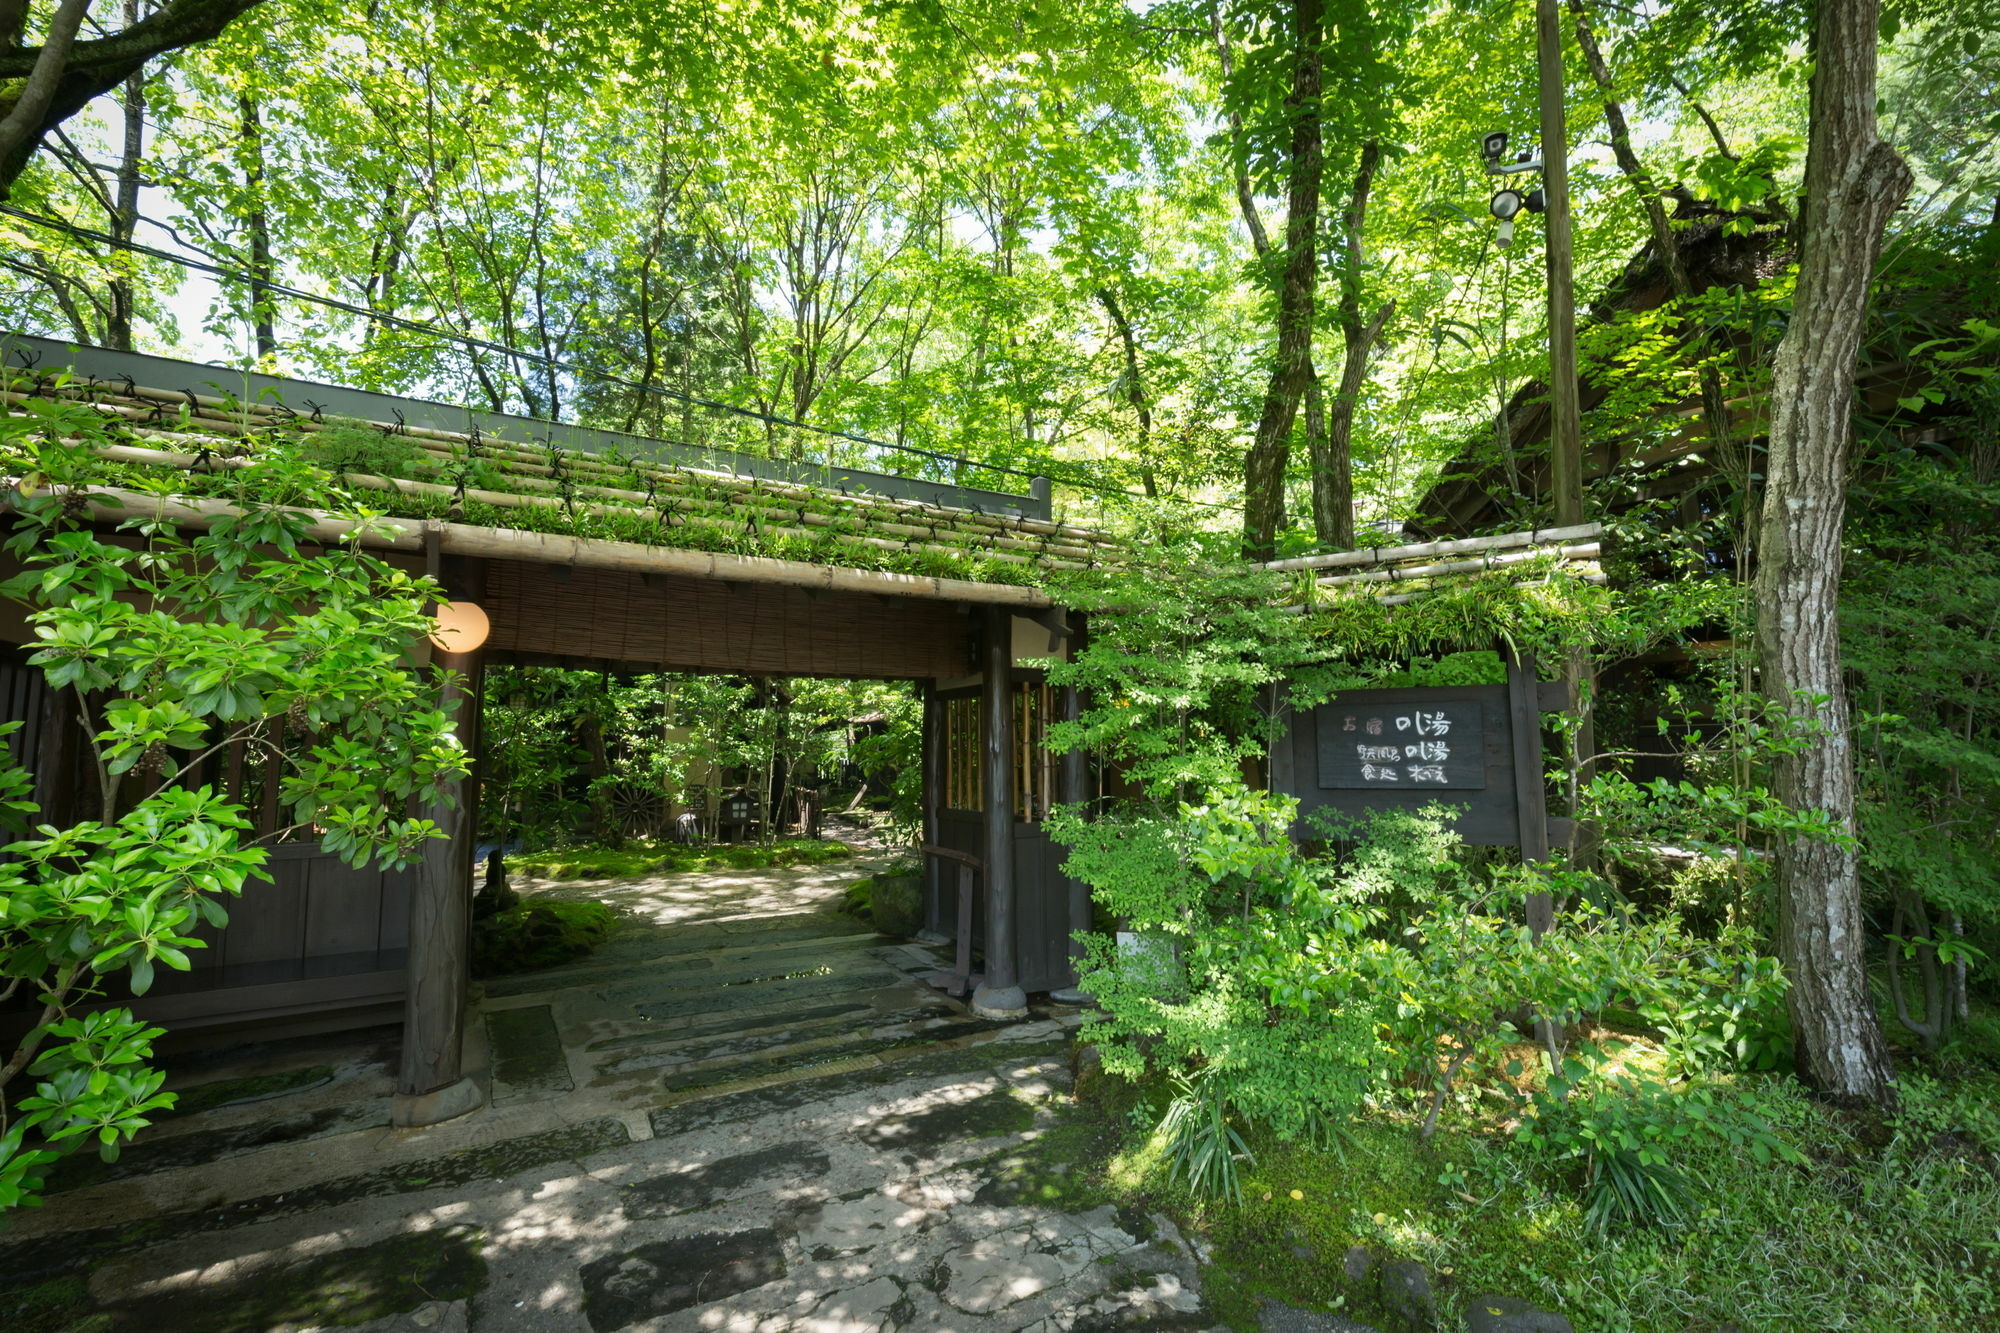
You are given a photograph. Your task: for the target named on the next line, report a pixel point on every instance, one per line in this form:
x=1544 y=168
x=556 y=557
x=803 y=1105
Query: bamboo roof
x=1392 y=575
x=537 y=500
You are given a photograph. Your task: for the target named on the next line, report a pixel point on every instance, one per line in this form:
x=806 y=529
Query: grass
x=574 y=863
x=1885 y=1227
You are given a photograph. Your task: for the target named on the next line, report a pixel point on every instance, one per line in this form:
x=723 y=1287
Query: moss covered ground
x=1886 y=1226
x=538 y=933
x=645 y=858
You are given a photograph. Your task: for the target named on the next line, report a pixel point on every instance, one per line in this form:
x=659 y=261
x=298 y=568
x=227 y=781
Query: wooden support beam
x=1524 y=718
x=1072 y=783
x=431 y=1085
x=1000 y=996
x=933 y=799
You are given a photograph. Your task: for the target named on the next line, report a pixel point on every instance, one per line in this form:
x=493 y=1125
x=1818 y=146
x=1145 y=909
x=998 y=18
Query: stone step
x=783 y=1062
x=769 y=1036
x=456 y=1173
x=608 y=964
x=808 y=1083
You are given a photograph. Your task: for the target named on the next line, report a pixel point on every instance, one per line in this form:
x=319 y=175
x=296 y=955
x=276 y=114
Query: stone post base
x=1007 y=1002
x=416 y=1110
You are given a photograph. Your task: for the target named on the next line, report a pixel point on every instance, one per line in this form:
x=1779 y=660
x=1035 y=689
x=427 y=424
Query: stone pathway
x=743 y=1113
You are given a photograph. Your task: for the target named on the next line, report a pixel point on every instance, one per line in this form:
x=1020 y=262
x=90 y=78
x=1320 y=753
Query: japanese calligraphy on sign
x=1409 y=746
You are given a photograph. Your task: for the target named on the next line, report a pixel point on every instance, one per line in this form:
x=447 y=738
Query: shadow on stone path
x=745 y=1112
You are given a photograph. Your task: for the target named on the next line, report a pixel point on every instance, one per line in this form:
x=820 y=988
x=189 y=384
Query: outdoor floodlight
x=458 y=627
x=1505 y=205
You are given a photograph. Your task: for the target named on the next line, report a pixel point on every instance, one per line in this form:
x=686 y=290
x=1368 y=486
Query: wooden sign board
x=1368 y=750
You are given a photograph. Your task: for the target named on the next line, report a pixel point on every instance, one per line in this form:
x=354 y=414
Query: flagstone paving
x=745 y=1113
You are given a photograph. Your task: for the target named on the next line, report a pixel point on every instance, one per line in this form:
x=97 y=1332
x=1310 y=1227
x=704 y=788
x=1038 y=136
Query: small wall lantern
x=458 y=627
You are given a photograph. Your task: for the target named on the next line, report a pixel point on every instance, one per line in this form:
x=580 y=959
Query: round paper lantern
x=458 y=627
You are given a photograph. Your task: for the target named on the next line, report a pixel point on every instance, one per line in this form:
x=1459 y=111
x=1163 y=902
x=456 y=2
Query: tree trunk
x=1333 y=456
x=1853 y=183
x=1264 y=468
x=43 y=86
x=125 y=209
x=263 y=318
x=1135 y=389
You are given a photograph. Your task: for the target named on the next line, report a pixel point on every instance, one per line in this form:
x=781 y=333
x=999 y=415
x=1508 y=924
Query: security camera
x=1493 y=148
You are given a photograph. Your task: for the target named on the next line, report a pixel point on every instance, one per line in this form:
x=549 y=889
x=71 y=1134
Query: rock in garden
x=1278 y=1317
x=1510 y=1314
x=897 y=904
x=1406 y=1292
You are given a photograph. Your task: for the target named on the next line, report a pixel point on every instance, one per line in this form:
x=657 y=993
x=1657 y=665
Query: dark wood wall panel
x=679 y=624
x=1041 y=897
x=1041 y=910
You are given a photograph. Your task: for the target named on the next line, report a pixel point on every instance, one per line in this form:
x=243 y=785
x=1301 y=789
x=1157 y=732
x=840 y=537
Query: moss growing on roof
x=71 y=432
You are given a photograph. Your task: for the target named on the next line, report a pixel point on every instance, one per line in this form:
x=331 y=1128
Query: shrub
x=541 y=932
x=175 y=649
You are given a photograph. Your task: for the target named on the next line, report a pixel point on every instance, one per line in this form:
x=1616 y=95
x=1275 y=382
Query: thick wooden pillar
x=999 y=996
x=431 y=1084
x=933 y=801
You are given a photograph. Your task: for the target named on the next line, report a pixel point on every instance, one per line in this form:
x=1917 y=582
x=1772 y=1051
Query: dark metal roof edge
x=159 y=372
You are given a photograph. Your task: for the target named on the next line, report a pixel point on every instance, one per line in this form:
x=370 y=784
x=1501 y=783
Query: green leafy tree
x=172 y=648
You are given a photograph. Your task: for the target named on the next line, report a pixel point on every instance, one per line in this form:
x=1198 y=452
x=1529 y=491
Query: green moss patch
x=60 y=1305
x=540 y=933
x=1770 y=1245
x=576 y=863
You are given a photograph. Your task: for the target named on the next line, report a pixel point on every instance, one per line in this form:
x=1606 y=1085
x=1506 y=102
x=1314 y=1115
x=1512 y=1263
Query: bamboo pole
x=109 y=504
x=508 y=500
x=524 y=466
x=248 y=417
x=1375 y=555
x=1396 y=574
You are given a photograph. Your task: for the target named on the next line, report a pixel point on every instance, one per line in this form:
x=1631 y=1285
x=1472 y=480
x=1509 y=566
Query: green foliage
x=344 y=449
x=172 y=650
x=1630 y=1131
x=1917 y=636
x=576 y=863
x=539 y=933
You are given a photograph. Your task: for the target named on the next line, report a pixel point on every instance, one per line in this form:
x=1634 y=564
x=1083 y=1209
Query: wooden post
x=431 y=1085
x=1524 y=720
x=999 y=996
x=1072 y=781
x=1565 y=403
x=933 y=799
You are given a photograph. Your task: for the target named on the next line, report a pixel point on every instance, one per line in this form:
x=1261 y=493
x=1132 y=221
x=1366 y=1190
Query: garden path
x=744 y=1112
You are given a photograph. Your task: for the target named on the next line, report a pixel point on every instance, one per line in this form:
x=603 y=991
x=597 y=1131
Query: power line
x=474 y=343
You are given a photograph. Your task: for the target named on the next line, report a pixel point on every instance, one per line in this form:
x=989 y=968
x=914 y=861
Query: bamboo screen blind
x=961 y=753
x=1034 y=766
